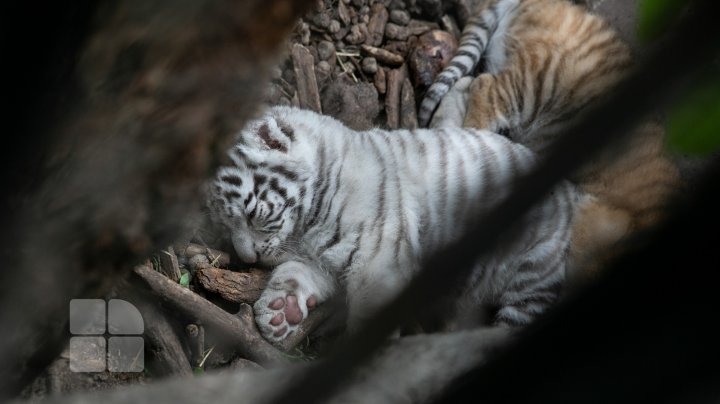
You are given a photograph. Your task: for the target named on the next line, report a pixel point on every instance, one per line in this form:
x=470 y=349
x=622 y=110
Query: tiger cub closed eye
x=545 y=61
x=335 y=209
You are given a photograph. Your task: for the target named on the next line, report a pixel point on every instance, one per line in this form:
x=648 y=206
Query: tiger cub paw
x=284 y=304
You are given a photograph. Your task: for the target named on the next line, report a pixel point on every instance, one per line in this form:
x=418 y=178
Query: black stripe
x=230 y=195
x=275 y=186
x=231 y=179
x=284 y=172
x=320 y=181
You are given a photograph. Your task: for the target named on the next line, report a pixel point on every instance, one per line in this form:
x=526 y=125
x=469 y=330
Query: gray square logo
x=87 y=316
x=93 y=353
x=87 y=354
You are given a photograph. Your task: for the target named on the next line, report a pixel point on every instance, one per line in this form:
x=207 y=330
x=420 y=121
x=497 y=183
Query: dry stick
x=632 y=99
x=395 y=79
x=345 y=68
x=240 y=330
x=169 y=264
x=238 y=287
x=170 y=358
x=383 y=56
x=196 y=337
x=376 y=25
x=307 y=88
x=408 y=116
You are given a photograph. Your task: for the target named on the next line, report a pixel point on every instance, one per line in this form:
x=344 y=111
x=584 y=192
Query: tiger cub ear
x=276 y=137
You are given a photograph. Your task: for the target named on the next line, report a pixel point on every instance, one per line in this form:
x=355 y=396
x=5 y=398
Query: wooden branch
x=307 y=88
x=170 y=358
x=383 y=56
x=215 y=257
x=169 y=264
x=376 y=25
x=240 y=331
x=395 y=79
x=196 y=337
x=408 y=116
x=238 y=287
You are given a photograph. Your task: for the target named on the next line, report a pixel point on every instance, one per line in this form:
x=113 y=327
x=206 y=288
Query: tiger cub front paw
x=284 y=303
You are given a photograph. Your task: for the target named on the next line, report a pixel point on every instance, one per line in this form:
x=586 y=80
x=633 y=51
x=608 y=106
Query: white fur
x=427 y=200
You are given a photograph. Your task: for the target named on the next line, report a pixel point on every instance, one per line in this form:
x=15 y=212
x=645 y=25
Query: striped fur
x=339 y=209
x=480 y=35
x=545 y=61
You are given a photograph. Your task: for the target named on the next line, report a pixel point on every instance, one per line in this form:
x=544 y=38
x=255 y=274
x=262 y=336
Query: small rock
x=314 y=53
x=343 y=14
x=304 y=33
x=365 y=10
x=432 y=9
x=369 y=65
x=289 y=75
x=355 y=36
x=376 y=26
x=322 y=20
x=334 y=26
x=397 y=4
x=400 y=17
x=323 y=71
x=380 y=81
x=326 y=50
x=359 y=3
x=397 y=47
x=356 y=105
x=276 y=73
x=273 y=94
x=417 y=27
x=199 y=261
x=397 y=32
x=341 y=34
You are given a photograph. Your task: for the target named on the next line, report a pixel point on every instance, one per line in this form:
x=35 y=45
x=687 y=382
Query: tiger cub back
x=545 y=61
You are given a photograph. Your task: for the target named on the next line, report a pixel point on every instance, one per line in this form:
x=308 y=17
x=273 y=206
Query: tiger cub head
x=258 y=197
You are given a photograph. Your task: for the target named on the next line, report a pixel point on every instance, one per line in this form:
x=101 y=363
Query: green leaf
x=694 y=123
x=655 y=16
x=198 y=371
x=185 y=279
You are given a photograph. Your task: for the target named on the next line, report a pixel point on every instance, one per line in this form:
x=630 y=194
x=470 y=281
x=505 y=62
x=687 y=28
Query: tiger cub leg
x=294 y=288
x=453 y=107
x=489 y=104
x=519 y=307
x=596 y=228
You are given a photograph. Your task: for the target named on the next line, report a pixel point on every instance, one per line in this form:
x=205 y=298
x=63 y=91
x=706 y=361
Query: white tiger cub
x=335 y=209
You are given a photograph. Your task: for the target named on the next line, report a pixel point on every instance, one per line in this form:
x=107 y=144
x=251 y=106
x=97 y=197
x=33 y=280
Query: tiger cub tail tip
x=473 y=43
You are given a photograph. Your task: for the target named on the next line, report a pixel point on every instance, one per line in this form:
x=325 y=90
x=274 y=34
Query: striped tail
x=474 y=41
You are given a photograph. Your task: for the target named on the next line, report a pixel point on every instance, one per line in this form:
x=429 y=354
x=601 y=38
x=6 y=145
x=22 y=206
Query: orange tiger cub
x=545 y=60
